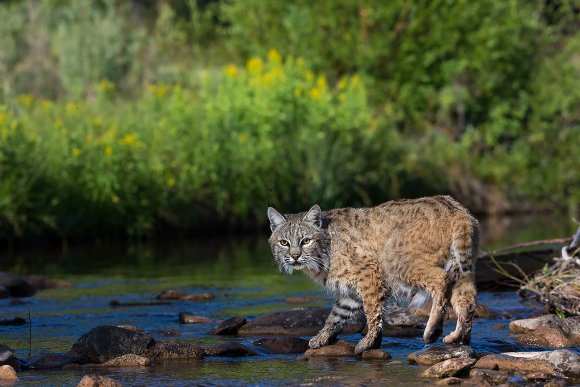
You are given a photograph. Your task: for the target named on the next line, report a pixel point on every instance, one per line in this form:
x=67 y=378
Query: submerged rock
x=231 y=326
x=182 y=296
x=450 y=367
x=104 y=343
x=340 y=349
x=98 y=381
x=492 y=377
x=231 y=350
x=190 y=318
x=16 y=286
x=174 y=350
x=438 y=353
x=50 y=360
x=8 y=373
x=548 y=331
x=283 y=344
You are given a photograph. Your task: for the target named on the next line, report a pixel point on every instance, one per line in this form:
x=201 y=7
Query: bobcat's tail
x=464 y=247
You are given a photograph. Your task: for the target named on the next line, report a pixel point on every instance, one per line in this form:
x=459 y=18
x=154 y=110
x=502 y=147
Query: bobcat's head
x=298 y=241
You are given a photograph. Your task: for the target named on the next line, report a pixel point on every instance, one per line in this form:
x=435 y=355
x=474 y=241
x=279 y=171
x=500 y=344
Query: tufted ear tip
x=314 y=216
x=276 y=218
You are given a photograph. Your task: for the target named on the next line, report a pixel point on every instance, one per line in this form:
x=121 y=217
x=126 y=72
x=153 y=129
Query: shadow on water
x=245 y=281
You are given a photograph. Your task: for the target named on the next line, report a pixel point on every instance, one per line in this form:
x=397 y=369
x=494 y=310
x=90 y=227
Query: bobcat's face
x=296 y=242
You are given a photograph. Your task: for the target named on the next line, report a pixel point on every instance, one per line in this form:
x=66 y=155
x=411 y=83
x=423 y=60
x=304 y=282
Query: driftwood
x=556 y=284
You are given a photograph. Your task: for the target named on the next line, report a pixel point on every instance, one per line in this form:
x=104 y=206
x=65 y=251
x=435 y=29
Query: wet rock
x=297 y=322
x=303 y=300
x=550 y=336
x=283 y=345
x=448 y=381
x=50 y=360
x=104 y=343
x=17 y=286
x=131 y=328
x=128 y=360
x=182 y=296
x=167 y=332
x=190 y=318
x=438 y=353
x=566 y=361
x=8 y=373
x=231 y=326
x=98 y=381
x=498 y=327
x=340 y=349
x=13 y=321
x=556 y=383
x=7 y=357
x=537 y=377
x=174 y=350
x=531 y=324
x=40 y=282
x=450 y=367
x=231 y=350
x=491 y=376
x=375 y=354
x=396 y=363
x=512 y=363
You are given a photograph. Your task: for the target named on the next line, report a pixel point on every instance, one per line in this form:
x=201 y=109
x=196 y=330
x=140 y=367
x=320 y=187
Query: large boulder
x=104 y=343
x=438 y=353
x=548 y=331
x=565 y=361
x=16 y=286
x=296 y=322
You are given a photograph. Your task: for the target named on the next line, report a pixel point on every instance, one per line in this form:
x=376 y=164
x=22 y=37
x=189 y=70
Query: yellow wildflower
x=315 y=93
x=76 y=152
x=26 y=99
x=342 y=84
x=71 y=107
x=157 y=90
x=105 y=85
x=232 y=71
x=108 y=150
x=170 y=181
x=254 y=65
x=129 y=139
x=321 y=82
x=274 y=56
x=115 y=199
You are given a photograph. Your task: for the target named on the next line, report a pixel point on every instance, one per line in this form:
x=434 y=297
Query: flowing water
x=245 y=281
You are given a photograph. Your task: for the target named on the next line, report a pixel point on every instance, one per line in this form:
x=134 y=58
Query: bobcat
x=410 y=249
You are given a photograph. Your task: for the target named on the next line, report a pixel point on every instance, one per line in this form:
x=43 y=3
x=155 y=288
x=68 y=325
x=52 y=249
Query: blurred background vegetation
x=139 y=118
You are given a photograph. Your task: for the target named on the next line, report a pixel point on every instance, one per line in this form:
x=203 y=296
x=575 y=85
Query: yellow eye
x=306 y=241
x=284 y=242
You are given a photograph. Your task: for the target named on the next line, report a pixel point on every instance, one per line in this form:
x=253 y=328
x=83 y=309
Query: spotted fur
x=410 y=250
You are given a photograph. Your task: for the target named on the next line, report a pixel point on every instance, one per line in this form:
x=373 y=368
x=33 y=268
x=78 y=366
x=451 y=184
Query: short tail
x=464 y=247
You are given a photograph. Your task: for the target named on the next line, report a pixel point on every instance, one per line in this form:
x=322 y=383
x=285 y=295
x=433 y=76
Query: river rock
x=174 y=350
x=104 y=343
x=548 y=331
x=190 y=318
x=98 y=381
x=128 y=360
x=566 y=361
x=513 y=363
x=17 y=286
x=492 y=377
x=7 y=357
x=296 y=322
x=438 y=353
x=49 y=361
x=448 y=381
x=340 y=349
x=230 y=350
x=40 y=282
x=231 y=326
x=283 y=344
x=375 y=354
x=182 y=296
x=450 y=367
x=8 y=373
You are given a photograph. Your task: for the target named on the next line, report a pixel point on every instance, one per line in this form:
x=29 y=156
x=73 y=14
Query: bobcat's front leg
x=373 y=295
x=341 y=312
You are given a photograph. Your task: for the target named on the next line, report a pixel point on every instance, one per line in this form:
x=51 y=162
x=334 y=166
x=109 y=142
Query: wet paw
x=453 y=338
x=368 y=342
x=320 y=340
x=431 y=335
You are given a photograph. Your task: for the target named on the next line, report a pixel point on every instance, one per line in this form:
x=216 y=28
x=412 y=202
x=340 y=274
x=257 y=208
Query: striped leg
x=341 y=312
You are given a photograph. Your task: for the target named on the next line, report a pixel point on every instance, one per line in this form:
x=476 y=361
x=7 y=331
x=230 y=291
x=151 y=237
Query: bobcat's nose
x=295 y=255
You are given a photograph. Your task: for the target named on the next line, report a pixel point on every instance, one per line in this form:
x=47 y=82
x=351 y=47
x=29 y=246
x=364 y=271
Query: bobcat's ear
x=314 y=216
x=276 y=218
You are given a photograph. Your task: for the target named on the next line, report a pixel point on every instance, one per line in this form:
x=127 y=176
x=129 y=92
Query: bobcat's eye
x=306 y=241
x=284 y=242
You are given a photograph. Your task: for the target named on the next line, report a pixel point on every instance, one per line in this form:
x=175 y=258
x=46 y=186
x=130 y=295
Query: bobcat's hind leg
x=463 y=300
x=341 y=312
x=373 y=294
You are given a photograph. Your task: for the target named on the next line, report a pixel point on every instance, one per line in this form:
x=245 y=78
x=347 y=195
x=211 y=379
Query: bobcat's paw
x=457 y=337
x=431 y=335
x=370 y=341
x=320 y=340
